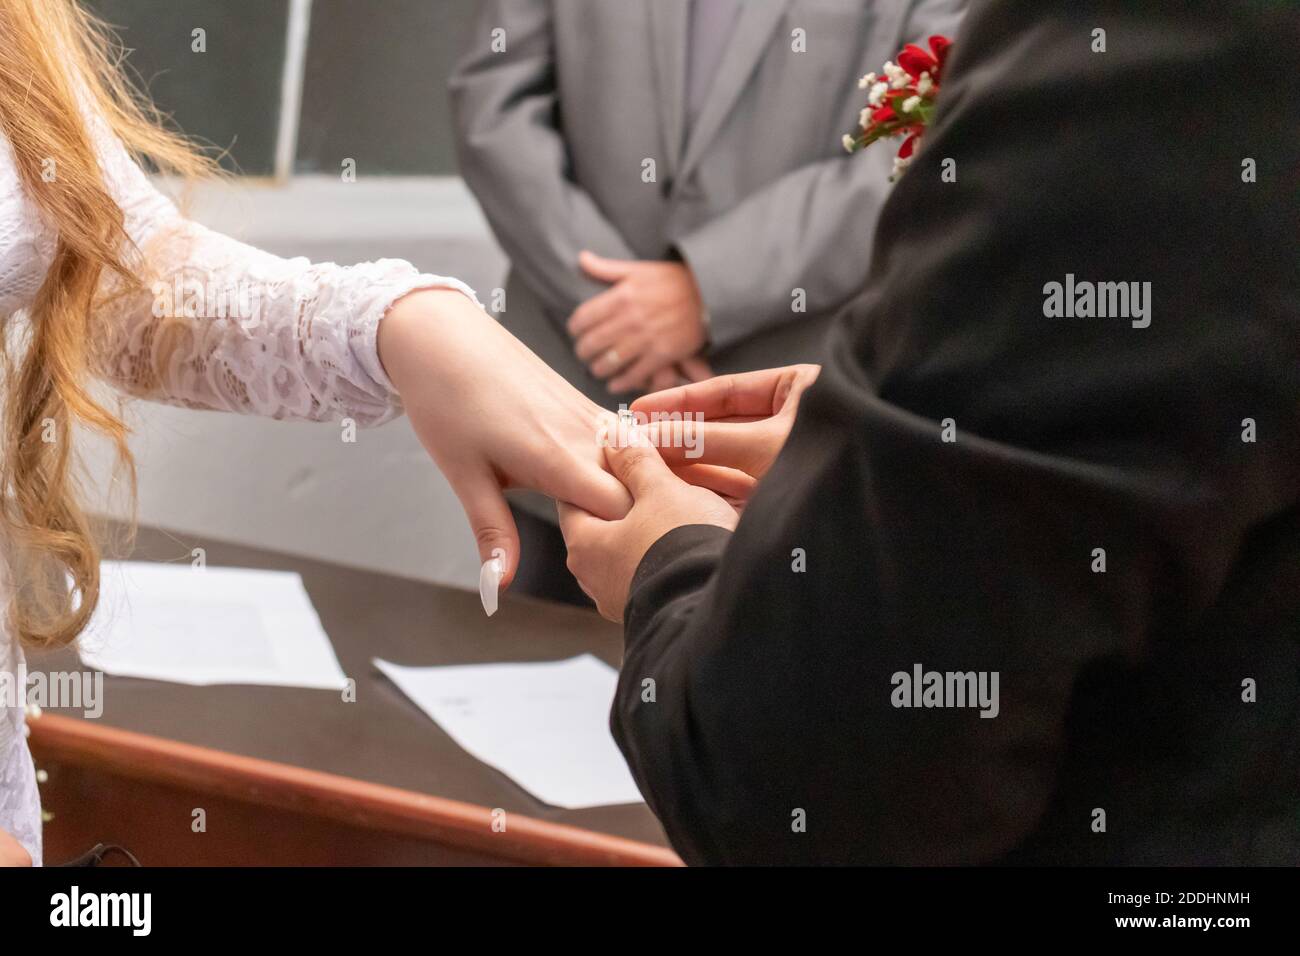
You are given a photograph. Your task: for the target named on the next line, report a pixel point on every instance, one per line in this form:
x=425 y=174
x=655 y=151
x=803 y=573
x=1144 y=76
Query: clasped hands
x=645 y=331
x=493 y=416
x=696 y=459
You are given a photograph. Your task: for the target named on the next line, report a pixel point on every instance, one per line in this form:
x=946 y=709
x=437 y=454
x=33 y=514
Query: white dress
x=304 y=349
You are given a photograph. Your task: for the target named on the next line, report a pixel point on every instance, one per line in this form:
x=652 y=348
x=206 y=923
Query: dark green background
x=374 y=88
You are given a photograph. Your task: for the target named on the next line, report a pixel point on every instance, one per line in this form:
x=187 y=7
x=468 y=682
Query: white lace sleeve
x=225 y=326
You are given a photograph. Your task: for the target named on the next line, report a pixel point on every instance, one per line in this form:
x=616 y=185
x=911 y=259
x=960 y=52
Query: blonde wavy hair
x=58 y=63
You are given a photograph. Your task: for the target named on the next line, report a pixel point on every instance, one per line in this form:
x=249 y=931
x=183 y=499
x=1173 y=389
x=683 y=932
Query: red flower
x=909 y=145
x=939 y=46
x=917 y=61
x=886 y=117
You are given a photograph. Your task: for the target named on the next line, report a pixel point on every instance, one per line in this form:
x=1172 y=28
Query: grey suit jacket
x=759 y=197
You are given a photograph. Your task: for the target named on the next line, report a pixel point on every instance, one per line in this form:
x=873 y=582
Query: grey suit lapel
x=668 y=24
x=754 y=27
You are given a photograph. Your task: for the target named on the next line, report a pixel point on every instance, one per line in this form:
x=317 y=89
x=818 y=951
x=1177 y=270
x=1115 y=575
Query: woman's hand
x=492 y=415
x=604 y=555
x=12 y=852
x=746 y=419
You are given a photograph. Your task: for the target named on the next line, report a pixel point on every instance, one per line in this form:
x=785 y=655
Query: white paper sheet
x=175 y=622
x=546 y=726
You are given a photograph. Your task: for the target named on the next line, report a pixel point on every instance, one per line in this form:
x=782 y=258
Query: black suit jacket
x=1147 y=712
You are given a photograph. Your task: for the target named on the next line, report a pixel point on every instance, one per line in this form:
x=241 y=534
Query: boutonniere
x=900 y=101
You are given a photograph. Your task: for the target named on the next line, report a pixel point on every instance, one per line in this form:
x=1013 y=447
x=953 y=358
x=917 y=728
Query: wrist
x=410 y=330
x=700 y=310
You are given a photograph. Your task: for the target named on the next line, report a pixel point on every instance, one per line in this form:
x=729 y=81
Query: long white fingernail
x=489 y=580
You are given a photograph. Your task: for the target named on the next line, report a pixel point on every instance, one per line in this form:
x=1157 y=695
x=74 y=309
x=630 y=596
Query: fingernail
x=489 y=580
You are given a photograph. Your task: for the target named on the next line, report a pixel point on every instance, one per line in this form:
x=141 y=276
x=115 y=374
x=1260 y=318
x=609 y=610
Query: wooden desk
x=299 y=777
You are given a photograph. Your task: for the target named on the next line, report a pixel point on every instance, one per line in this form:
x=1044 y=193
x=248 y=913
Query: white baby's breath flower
x=911 y=103
x=898 y=77
x=925 y=84
x=866 y=81
x=848 y=143
x=864 y=118
x=877 y=94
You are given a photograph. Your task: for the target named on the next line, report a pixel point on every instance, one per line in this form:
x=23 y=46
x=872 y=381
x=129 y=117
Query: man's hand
x=604 y=555
x=670 y=376
x=746 y=420
x=650 y=318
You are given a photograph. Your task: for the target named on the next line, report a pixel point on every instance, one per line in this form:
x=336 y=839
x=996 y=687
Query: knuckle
x=728 y=402
x=489 y=535
x=633 y=464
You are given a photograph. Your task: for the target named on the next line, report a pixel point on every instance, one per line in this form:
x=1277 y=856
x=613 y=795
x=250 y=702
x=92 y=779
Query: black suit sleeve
x=977 y=486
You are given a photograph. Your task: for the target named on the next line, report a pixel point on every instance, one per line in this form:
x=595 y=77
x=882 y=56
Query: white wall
x=378 y=503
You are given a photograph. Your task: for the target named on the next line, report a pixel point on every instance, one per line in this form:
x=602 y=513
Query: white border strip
x=295 y=65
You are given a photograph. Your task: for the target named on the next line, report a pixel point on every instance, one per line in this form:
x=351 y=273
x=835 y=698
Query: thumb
x=606 y=270
x=636 y=463
x=494 y=531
